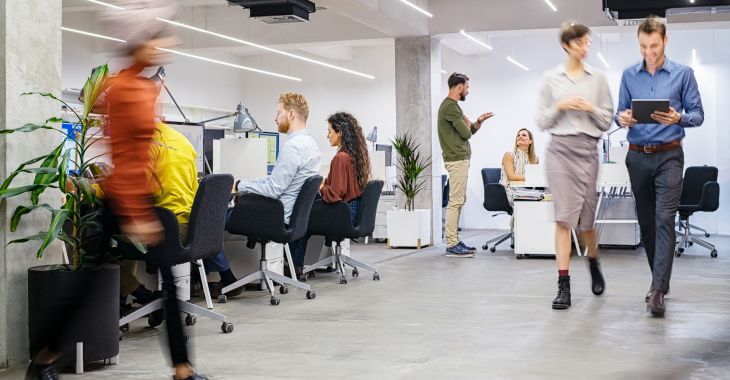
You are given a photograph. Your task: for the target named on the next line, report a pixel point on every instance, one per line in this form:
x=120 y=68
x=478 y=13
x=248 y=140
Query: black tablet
x=642 y=109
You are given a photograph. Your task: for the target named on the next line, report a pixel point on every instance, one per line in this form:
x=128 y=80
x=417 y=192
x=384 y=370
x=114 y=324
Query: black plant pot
x=66 y=307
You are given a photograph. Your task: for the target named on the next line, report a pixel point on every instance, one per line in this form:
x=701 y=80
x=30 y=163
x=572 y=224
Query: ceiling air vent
x=277 y=11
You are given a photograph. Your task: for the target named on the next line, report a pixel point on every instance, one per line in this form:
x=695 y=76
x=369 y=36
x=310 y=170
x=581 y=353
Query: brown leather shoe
x=646 y=299
x=656 y=303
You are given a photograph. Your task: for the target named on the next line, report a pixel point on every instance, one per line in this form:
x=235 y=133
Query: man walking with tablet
x=655 y=160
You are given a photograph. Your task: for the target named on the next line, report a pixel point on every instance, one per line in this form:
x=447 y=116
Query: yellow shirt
x=175 y=174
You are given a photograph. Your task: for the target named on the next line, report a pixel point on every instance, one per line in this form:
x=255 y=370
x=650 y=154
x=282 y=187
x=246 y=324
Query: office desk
x=534 y=228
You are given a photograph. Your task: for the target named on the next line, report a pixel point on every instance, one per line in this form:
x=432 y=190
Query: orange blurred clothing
x=131 y=109
x=341 y=182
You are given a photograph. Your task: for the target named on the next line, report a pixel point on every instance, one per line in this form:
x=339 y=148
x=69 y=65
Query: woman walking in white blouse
x=576 y=108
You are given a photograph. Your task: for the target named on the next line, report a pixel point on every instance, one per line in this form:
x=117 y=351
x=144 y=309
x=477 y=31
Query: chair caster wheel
x=485 y=247
x=707 y=234
x=311 y=294
x=677 y=254
x=124 y=327
x=512 y=246
x=691 y=243
x=155 y=319
x=190 y=320
x=680 y=250
x=493 y=249
x=330 y=269
x=283 y=289
x=376 y=277
x=343 y=280
x=310 y=274
x=227 y=328
x=520 y=257
x=222 y=298
x=355 y=273
x=713 y=253
x=274 y=301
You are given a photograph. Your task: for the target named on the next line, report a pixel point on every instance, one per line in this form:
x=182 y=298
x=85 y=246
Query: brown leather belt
x=649 y=149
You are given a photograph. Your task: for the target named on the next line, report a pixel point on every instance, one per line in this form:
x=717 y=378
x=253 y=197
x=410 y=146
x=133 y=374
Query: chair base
x=185 y=307
x=499 y=240
x=268 y=277
x=339 y=261
x=687 y=239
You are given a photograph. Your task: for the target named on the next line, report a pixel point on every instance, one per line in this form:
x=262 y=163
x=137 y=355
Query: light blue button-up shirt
x=298 y=160
x=672 y=81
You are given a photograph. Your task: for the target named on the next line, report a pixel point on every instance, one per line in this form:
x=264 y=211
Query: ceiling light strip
x=229 y=64
x=188 y=55
x=105 y=4
x=469 y=36
x=92 y=34
x=414 y=6
x=229 y=38
x=550 y=4
x=523 y=67
x=600 y=56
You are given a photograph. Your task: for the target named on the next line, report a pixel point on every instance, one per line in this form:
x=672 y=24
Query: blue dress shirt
x=298 y=160
x=672 y=81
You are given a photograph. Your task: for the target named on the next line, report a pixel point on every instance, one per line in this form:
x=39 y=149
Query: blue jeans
x=298 y=248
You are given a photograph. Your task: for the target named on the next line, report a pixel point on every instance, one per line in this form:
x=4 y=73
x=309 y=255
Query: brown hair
x=456 y=79
x=571 y=30
x=353 y=143
x=652 y=24
x=531 y=155
x=297 y=102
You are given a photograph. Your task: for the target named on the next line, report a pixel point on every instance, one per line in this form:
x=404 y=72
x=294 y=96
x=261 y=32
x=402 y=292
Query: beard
x=283 y=127
x=462 y=97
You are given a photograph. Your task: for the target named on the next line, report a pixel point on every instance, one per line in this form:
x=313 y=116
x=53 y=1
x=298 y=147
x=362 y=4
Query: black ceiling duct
x=277 y=11
x=633 y=9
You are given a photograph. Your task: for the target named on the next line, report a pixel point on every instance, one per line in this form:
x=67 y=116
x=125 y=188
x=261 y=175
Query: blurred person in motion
x=130 y=104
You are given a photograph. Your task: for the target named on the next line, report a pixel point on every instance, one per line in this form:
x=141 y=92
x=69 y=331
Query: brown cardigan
x=341 y=182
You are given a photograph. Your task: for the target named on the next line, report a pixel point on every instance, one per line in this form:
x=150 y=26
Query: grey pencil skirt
x=571 y=165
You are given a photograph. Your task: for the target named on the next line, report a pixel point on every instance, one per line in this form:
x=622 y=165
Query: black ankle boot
x=598 y=284
x=562 y=300
x=41 y=372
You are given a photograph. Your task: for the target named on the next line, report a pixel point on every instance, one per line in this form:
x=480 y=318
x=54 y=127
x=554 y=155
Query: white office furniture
x=534 y=228
x=245 y=159
x=386 y=203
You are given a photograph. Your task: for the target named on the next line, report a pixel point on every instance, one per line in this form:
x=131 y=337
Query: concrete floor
x=432 y=317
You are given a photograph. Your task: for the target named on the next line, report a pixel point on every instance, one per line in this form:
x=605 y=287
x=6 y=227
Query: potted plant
x=86 y=289
x=410 y=227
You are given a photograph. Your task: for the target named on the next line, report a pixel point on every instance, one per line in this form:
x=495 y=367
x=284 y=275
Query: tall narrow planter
x=89 y=300
x=409 y=228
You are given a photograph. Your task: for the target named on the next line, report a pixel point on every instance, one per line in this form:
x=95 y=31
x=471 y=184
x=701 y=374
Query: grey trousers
x=656 y=182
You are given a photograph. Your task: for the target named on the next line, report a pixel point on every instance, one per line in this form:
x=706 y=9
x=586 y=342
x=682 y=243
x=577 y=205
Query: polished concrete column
x=417 y=83
x=30 y=48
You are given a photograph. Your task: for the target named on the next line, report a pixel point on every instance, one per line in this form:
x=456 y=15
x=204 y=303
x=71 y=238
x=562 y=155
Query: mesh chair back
x=695 y=178
x=207 y=217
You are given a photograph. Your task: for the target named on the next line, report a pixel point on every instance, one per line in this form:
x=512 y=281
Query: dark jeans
x=656 y=182
x=298 y=248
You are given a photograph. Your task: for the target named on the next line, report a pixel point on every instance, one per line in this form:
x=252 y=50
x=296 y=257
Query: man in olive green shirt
x=454 y=131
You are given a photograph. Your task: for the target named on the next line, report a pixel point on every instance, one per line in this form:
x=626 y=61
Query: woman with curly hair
x=349 y=173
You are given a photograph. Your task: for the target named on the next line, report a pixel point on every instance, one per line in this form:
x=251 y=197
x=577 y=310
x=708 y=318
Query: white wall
x=512 y=93
x=204 y=84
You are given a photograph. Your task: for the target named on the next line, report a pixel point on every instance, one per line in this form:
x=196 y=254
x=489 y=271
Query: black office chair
x=334 y=222
x=204 y=240
x=495 y=200
x=261 y=220
x=700 y=192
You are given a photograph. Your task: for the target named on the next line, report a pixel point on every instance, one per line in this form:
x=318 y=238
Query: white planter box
x=409 y=228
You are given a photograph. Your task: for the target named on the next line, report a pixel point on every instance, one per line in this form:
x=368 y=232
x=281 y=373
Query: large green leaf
x=93 y=87
x=22 y=210
x=56 y=224
x=13 y=191
x=38 y=236
x=19 y=170
x=46 y=179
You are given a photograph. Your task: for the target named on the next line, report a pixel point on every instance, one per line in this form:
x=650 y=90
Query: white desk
x=534 y=228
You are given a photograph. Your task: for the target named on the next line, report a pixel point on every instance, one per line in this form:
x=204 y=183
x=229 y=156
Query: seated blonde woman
x=513 y=163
